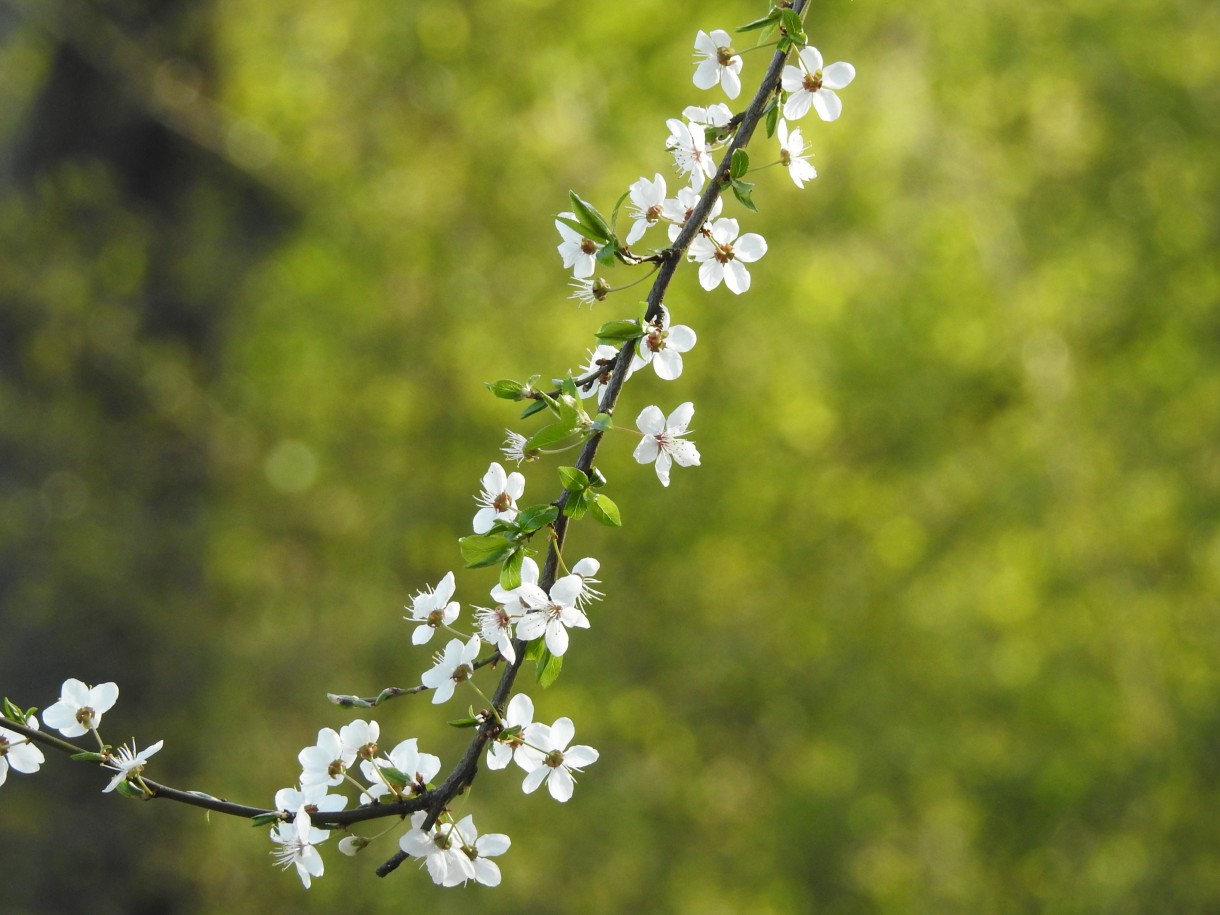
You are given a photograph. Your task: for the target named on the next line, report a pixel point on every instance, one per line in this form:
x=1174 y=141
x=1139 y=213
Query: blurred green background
x=934 y=628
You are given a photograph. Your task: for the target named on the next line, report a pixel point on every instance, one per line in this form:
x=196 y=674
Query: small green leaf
x=772 y=118
x=482 y=550
x=506 y=389
x=535 y=407
x=465 y=723
x=790 y=22
x=619 y=331
x=742 y=191
x=537 y=517
x=265 y=819
x=598 y=479
x=739 y=164
x=87 y=757
x=603 y=422
x=396 y=776
x=587 y=213
x=568 y=386
x=762 y=23
x=581 y=229
x=549 y=667
x=534 y=650
x=510 y=572
x=127 y=789
x=573 y=479
x=577 y=505
x=605 y=511
x=549 y=435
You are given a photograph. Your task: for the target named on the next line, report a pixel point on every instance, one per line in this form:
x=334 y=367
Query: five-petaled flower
x=680 y=208
x=812 y=85
x=647 y=201
x=128 y=762
x=296 y=842
x=517 y=717
x=417 y=770
x=16 y=752
x=432 y=608
x=723 y=256
x=663 y=346
x=80 y=707
x=792 y=154
x=552 y=617
x=326 y=762
x=498 y=498
x=663 y=441
x=691 y=155
x=578 y=253
x=548 y=758
x=453 y=667
x=720 y=63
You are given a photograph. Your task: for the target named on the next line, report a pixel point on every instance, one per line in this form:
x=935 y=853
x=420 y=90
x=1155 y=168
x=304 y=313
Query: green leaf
x=762 y=23
x=482 y=550
x=739 y=164
x=465 y=723
x=605 y=511
x=264 y=819
x=534 y=650
x=772 y=118
x=127 y=789
x=568 y=386
x=791 y=23
x=742 y=191
x=573 y=479
x=87 y=757
x=506 y=389
x=549 y=667
x=577 y=505
x=510 y=572
x=533 y=408
x=397 y=776
x=598 y=479
x=588 y=214
x=603 y=422
x=536 y=517
x=619 y=331
x=549 y=435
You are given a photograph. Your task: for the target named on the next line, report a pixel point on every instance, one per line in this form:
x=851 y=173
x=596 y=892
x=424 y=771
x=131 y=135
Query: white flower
x=478 y=849
x=326 y=761
x=529 y=577
x=80 y=707
x=578 y=252
x=297 y=840
x=720 y=64
x=663 y=346
x=16 y=752
x=713 y=116
x=601 y=360
x=552 y=619
x=547 y=757
x=590 y=290
x=723 y=256
x=127 y=762
x=519 y=715
x=453 y=667
x=432 y=608
x=514 y=448
x=313 y=799
x=352 y=845
x=663 y=441
x=586 y=569
x=440 y=849
x=498 y=498
x=792 y=154
x=417 y=768
x=496 y=629
x=810 y=84
x=360 y=739
x=690 y=152
x=646 y=198
x=679 y=209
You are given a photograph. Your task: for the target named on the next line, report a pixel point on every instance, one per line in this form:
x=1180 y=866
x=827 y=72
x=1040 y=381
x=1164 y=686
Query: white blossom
x=440 y=850
x=128 y=762
x=498 y=498
x=17 y=753
x=601 y=361
x=313 y=798
x=812 y=85
x=496 y=629
x=432 y=609
x=547 y=757
x=514 y=448
x=326 y=761
x=453 y=667
x=647 y=199
x=578 y=252
x=519 y=715
x=720 y=64
x=418 y=768
x=663 y=441
x=479 y=849
x=663 y=346
x=713 y=116
x=80 y=707
x=586 y=569
x=691 y=155
x=553 y=618
x=297 y=840
x=792 y=154
x=723 y=256
x=678 y=210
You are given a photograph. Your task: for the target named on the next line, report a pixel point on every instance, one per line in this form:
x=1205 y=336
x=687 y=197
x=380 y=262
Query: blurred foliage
x=934 y=628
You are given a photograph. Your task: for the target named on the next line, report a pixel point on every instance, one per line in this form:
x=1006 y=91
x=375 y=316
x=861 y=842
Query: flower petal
x=827 y=105
x=838 y=75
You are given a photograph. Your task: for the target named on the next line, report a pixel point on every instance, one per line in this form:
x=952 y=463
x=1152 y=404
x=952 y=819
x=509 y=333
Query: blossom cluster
x=532 y=612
